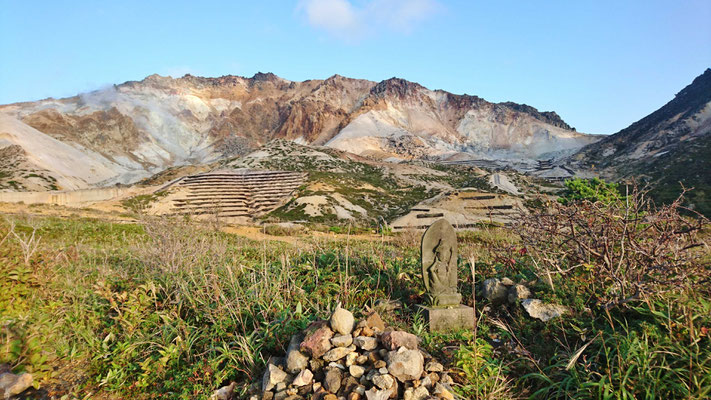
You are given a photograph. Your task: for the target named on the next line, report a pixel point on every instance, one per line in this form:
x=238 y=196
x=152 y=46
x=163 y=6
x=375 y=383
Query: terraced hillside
x=343 y=187
x=241 y=193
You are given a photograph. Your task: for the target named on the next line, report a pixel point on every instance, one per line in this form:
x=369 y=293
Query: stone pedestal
x=443 y=319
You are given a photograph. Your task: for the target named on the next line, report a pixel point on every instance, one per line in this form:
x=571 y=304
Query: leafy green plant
x=483 y=376
x=593 y=190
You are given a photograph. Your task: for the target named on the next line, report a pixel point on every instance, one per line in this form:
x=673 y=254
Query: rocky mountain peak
x=549 y=117
x=142 y=127
x=265 y=76
x=396 y=87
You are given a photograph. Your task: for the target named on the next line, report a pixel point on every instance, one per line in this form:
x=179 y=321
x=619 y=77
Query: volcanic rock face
x=669 y=146
x=133 y=130
x=685 y=118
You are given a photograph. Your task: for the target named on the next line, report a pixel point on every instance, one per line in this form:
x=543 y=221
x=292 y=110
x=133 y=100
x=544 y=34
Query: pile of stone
x=502 y=291
x=339 y=359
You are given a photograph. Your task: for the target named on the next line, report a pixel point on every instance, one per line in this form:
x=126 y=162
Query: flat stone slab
x=443 y=319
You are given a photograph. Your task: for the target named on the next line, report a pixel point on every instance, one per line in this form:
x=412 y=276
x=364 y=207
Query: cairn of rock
x=505 y=291
x=339 y=359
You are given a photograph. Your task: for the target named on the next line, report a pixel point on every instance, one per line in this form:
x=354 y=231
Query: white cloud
x=349 y=21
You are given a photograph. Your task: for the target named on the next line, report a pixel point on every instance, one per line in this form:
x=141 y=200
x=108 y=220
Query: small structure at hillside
x=439 y=272
x=464 y=208
x=239 y=193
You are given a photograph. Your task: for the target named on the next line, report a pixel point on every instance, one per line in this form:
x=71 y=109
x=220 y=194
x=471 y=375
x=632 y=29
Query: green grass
x=170 y=309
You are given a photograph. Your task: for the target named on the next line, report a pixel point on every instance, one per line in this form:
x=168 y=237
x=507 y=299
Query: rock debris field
x=339 y=359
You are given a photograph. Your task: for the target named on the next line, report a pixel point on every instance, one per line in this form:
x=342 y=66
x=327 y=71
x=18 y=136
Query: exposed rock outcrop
x=133 y=130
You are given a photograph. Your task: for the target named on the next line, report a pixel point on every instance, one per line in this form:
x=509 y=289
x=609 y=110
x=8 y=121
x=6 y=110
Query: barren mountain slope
x=669 y=147
x=127 y=132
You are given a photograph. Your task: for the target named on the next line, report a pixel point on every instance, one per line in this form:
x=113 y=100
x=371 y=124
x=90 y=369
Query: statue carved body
x=439 y=264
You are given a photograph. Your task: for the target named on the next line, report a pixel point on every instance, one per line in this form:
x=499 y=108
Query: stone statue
x=439 y=264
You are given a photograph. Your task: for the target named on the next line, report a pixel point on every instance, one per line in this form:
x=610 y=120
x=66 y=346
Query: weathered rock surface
x=337 y=353
x=303 y=378
x=405 y=364
x=493 y=290
x=342 y=321
x=225 y=392
x=366 y=342
x=295 y=359
x=518 y=292
x=332 y=382
x=543 y=311
x=342 y=340
x=272 y=377
x=317 y=340
x=129 y=130
x=393 y=340
x=12 y=384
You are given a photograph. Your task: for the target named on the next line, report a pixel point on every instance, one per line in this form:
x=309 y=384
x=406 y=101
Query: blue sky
x=600 y=64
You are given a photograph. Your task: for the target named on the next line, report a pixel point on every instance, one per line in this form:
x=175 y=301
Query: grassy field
x=173 y=309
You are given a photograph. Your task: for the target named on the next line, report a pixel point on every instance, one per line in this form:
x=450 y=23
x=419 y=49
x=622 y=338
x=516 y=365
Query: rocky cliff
x=130 y=131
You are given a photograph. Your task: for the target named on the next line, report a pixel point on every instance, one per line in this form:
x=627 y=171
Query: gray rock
x=337 y=365
x=418 y=393
x=493 y=290
x=12 y=384
x=405 y=364
x=434 y=366
x=375 y=394
x=446 y=379
x=426 y=382
x=393 y=340
x=383 y=381
x=342 y=321
x=369 y=376
x=442 y=392
x=332 y=382
x=281 y=395
x=272 y=376
x=366 y=343
x=225 y=392
x=342 y=340
x=303 y=378
x=337 y=353
x=507 y=282
x=518 y=292
x=543 y=311
x=295 y=359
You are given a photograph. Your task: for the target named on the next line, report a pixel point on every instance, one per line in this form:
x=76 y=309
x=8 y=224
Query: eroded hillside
x=127 y=132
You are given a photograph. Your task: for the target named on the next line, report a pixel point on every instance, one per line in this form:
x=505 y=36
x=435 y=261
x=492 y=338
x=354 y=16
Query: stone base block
x=443 y=319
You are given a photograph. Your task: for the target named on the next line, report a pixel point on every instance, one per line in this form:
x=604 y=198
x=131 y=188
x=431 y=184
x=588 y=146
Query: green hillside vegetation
x=691 y=169
x=373 y=187
x=173 y=309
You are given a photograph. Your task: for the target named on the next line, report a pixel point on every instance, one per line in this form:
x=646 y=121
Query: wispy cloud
x=352 y=21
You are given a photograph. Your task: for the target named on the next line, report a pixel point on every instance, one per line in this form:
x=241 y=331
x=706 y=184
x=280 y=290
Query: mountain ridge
x=667 y=149
x=139 y=128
